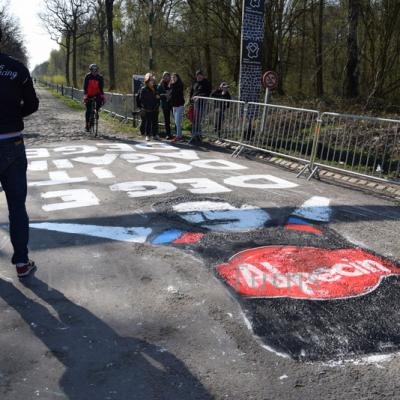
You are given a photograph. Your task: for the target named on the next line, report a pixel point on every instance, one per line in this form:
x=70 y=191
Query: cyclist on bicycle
x=93 y=88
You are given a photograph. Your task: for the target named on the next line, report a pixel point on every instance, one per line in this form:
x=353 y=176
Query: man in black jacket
x=200 y=88
x=17 y=100
x=221 y=93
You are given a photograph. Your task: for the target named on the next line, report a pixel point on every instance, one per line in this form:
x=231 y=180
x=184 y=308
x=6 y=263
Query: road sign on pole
x=270 y=80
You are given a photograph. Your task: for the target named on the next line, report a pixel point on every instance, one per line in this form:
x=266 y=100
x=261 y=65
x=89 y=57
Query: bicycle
x=94 y=116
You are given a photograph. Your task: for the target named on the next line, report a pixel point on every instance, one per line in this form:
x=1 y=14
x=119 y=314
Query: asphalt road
x=173 y=272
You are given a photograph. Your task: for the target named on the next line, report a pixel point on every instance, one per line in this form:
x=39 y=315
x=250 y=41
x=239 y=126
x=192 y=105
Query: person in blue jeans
x=17 y=100
x=176 y=99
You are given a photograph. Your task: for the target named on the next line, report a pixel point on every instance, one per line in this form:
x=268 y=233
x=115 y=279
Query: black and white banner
x=251 y=50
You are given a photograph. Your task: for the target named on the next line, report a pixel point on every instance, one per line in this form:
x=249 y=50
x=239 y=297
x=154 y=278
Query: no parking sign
x=270 y=80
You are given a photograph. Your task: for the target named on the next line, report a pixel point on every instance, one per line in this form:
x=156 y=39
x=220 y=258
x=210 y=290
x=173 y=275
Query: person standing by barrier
x=149 y=100
x=163 y=89
x=221 y=93
x=142 y=114
x=177 y=101
x=201 y=88
x=17 y=100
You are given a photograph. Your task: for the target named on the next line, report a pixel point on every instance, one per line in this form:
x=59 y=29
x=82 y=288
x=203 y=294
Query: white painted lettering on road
x=253 y=181
x=218 y=164
x=63 y=164
x=58 y=178
x=83 y=149
x=155 y=146
x=143 y=188
x=164 y=168
x=37 y=153
x=103 y=173
x=71 y=199
x=138 y=158
x=38 y=165
x=182 y=154
x=116 y=146
x=106 y=159
x=203 y=186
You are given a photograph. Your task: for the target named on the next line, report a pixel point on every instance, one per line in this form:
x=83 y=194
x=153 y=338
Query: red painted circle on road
x=305 y=272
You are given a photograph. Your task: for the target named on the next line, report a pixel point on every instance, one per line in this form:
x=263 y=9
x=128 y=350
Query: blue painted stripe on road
x=298 y=221
x=168 y=236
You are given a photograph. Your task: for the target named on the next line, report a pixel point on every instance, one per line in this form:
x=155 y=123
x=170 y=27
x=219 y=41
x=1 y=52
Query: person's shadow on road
x=99 y=363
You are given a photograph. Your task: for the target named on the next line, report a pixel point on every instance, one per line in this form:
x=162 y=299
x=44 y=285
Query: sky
x=37 y=39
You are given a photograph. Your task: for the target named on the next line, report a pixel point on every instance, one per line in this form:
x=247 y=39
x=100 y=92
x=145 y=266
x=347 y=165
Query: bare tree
x=109 y=4
x=64 y=20
x=101 y=26
x=12 y=39
x=351 y=85
x=317 y=24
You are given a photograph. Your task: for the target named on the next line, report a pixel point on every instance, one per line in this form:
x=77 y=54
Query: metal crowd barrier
x=355 y=145
x=281 y=130
x=218 y=118
x=359 y=145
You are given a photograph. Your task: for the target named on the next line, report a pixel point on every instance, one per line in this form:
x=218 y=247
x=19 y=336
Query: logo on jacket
x=7 y=73
x=305 y=272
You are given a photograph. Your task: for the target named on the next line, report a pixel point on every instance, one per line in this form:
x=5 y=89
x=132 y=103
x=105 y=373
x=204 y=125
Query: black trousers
x=13 y=165
x=167 y=119
x=151 y=123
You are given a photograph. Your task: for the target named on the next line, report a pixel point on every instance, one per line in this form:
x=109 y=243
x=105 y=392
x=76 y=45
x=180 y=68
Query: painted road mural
x=304 y=289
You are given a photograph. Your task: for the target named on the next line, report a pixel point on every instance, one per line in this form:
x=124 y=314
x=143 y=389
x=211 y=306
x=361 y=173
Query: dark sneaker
x=25 y=270
x=87 y=128
x=194 y=140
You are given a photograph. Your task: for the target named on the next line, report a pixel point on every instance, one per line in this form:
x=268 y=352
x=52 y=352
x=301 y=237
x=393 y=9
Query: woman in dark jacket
x=149 y=100
x=177 y=101
x=163 y=90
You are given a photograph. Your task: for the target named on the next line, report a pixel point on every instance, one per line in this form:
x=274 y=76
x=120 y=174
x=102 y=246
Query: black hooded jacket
x=17 y=95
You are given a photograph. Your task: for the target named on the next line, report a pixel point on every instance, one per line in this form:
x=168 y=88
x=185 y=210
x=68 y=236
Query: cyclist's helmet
x=93 y=67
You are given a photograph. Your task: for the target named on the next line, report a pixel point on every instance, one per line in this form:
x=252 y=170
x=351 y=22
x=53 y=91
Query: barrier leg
x=237 y=151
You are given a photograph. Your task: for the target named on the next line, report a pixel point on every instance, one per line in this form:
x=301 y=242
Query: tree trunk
x=110 y=37
x=67 y=57
x=207 y=46
x=101 y=29
x=319 y=60
x=74 y=56
x=279 y=47
x=352 y=73
x=303 y=48
x=151 y=29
